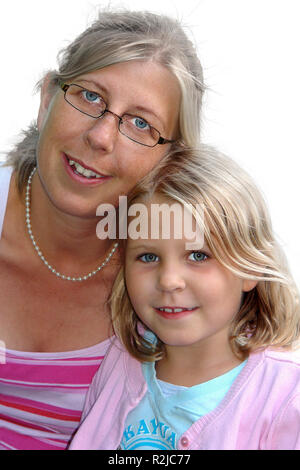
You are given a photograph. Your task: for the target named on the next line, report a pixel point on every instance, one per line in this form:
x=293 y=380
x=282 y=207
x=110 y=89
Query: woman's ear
x=45 y=98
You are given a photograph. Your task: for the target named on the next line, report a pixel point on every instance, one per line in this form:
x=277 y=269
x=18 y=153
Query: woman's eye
x=148 y=258
x=198 y=256
x=140 y=123
x=91 y=97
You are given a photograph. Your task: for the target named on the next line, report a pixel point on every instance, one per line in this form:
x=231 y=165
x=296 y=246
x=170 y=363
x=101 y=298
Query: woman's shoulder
x=5 y=167
x=5 y=176
x=5 y=173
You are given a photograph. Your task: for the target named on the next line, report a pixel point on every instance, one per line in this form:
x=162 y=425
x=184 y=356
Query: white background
x=250 y=54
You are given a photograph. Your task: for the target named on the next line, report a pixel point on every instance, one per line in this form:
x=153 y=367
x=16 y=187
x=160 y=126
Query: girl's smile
x=185 y=297
x=173 y=313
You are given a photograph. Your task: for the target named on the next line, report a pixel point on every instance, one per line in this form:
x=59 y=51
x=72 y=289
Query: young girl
x=200 y=359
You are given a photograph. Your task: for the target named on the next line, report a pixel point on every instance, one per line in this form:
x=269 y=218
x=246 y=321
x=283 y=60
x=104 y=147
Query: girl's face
x=144 y=89
x=187 y=298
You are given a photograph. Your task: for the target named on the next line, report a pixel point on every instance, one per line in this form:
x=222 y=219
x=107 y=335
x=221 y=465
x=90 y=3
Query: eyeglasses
x=133 y=127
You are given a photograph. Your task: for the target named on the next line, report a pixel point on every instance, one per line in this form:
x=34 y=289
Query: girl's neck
x=190 y=366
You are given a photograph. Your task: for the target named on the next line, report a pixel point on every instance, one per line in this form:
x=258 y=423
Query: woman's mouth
x=81 y=173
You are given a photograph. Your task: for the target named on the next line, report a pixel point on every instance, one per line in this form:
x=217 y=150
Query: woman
x=127 y=89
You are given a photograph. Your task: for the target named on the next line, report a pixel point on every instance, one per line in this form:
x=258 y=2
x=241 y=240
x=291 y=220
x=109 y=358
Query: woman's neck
x=66 y=240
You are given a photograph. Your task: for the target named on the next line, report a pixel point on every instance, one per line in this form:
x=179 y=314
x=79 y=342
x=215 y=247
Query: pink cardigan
x=260 y=411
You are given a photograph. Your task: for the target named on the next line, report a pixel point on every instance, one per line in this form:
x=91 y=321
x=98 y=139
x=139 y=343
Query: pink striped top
x=42 y=395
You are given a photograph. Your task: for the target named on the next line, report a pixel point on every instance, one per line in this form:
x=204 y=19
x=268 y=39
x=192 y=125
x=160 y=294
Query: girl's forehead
x=163 y=218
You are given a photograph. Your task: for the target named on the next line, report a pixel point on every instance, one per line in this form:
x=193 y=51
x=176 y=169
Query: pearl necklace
x=59 y=275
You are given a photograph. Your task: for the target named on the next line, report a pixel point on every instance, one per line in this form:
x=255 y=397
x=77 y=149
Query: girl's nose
x=103 y=132
x=170 y=279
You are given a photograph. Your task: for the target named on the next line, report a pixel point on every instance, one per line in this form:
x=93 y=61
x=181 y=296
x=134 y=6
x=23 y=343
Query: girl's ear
x=248 y=284
x=45 y=98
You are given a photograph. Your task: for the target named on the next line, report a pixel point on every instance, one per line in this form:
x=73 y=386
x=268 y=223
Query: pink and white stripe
x=42 y=396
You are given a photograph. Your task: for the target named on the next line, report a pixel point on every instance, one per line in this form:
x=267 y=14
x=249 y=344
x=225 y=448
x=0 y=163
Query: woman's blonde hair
x=238 y=231
x=121 y=35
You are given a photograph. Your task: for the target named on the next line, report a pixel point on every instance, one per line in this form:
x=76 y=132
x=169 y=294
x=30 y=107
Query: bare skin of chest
x=38 y=311
x=41 y=313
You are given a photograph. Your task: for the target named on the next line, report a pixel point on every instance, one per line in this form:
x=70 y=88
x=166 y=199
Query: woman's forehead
x=146 y=85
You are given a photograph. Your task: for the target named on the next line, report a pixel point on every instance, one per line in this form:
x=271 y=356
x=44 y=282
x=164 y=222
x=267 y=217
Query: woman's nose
x=103 y=132
x=170 y=279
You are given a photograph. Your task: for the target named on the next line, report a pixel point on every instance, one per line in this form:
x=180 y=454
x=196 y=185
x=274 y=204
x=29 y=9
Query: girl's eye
x=148 y=258
x=198 y=256
x=91 y=97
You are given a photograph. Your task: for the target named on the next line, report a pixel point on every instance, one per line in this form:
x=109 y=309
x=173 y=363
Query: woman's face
x=144 y=89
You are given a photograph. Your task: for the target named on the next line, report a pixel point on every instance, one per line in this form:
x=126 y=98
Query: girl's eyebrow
x=139 y=247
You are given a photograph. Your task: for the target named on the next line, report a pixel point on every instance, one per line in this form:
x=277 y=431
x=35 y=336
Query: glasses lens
x=86 y=101
x=139 y=130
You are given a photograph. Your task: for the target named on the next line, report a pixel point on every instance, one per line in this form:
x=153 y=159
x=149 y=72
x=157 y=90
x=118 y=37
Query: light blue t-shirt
x=167 y=410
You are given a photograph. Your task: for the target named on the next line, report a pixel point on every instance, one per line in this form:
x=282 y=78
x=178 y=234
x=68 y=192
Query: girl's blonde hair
x=121 y=35
x=238 y=231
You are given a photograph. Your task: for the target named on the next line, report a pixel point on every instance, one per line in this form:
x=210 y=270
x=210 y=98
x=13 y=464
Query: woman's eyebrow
x=144 y=109
x=138 y=108
x=92 y=82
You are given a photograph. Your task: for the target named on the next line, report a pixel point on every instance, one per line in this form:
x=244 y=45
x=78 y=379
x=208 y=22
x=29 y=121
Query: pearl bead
x=37 y=248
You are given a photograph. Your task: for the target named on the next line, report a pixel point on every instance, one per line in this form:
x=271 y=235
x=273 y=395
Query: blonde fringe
x=239 y=233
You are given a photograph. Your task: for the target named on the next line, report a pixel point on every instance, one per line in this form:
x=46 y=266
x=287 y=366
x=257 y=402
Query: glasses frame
x=161 y=140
